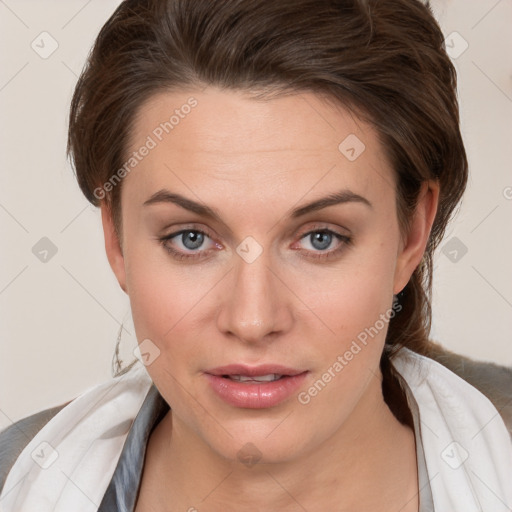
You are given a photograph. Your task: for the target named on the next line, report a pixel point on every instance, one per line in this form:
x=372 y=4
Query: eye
x=191 y=239
x=187 y=243
x=321 y=240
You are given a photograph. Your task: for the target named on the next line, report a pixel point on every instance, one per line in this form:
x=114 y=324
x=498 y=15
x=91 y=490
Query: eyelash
x=178 y=255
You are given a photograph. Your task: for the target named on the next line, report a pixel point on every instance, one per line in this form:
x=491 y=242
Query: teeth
x=258 y=378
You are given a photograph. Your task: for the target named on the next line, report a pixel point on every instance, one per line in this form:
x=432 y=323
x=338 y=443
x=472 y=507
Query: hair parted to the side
x=382 y=59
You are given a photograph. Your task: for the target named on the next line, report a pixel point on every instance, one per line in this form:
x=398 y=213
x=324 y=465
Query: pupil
x=321 y=240
x=192 y=239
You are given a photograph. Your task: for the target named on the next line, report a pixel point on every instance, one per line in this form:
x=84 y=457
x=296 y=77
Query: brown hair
x=382 y=59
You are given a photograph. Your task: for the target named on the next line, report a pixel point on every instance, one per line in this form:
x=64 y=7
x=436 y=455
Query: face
x=260 y=241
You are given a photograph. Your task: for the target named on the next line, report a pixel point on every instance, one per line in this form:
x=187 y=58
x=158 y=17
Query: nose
x=255 y=307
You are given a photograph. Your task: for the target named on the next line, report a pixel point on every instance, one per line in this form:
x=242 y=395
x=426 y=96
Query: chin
x=251 y=442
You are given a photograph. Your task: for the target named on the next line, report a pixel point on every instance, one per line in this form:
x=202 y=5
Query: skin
x=253 y=161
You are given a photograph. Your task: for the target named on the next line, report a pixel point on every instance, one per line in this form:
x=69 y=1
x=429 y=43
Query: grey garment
x=122 y=492
x=425 y=491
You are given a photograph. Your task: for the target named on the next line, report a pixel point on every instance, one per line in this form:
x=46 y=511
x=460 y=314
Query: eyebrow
x=341 y=197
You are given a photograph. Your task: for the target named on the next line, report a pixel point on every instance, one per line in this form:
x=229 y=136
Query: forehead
x=211 y=139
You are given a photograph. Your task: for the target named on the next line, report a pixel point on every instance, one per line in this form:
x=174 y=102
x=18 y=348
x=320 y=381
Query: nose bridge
x=253 y=307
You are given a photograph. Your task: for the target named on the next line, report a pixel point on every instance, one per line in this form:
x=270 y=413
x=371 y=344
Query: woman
x=273 y=178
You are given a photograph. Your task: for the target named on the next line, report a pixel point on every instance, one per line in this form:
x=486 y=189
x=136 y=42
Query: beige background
x=59 y=319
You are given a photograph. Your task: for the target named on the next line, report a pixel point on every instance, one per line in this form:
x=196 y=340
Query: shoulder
x=492 y=380
x=14 y=438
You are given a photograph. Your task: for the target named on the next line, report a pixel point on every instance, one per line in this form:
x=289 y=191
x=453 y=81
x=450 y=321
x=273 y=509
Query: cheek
x=357 y=309
x=162 y=304
x=159 y=310
x=354 y=310
x=161 y=292
x=170 y=306
x=351 y=299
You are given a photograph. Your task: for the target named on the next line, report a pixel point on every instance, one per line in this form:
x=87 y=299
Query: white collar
x=467 y=447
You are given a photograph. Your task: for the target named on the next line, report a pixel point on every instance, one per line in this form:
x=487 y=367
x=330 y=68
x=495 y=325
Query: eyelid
x=175 y=231
x=324 y=226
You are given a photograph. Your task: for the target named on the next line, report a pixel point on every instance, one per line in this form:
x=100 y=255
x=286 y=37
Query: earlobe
x=113 y=247
x=414 y=245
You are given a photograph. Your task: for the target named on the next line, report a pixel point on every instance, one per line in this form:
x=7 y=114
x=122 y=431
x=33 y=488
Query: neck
x=368 y=464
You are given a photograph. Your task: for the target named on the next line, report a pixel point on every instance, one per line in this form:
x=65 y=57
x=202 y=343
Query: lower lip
x=255 y=396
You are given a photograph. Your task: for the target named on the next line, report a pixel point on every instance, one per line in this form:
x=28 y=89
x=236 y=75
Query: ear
x=413 y=246
x=113 y=246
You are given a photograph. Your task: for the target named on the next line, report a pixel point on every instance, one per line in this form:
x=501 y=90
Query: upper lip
x=254 y=371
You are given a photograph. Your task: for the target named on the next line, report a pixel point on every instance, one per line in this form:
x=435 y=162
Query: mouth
x=271 y=377
x=257 y=387
x=262 y=371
